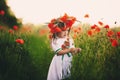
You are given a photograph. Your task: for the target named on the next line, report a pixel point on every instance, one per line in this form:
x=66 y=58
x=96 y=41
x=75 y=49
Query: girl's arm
x=65 y=51
x=71 y=50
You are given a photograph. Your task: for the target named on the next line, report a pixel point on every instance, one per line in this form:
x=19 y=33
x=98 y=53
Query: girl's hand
x=78 y=50
x=72 y=50
x=75 y=50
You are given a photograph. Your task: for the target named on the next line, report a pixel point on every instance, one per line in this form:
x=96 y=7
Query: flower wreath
x=61 y=24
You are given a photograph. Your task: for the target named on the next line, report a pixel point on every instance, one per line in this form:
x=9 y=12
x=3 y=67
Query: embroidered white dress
x=61 y=64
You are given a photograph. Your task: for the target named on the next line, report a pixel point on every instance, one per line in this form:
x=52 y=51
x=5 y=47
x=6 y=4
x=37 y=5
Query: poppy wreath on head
x=61 y=24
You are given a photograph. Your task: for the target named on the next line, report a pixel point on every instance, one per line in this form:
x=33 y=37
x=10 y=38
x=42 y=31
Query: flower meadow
x=25 y=53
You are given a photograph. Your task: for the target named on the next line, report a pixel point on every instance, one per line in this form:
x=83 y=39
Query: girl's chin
x=63 y=36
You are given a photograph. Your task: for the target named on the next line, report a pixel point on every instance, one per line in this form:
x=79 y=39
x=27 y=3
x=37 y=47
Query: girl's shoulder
x=58 y=41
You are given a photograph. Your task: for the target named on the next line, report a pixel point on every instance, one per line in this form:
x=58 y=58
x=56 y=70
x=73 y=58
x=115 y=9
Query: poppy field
x=25 y=53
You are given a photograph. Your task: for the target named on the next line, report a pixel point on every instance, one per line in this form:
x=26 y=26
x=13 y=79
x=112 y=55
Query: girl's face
x=62 y=34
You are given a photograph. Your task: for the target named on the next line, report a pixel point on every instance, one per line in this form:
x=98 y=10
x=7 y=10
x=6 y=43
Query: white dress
x=61 y=64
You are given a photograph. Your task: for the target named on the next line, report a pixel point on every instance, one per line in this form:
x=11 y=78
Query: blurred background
x=25 y=52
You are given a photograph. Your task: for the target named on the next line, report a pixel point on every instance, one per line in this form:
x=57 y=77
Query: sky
x=42 y=11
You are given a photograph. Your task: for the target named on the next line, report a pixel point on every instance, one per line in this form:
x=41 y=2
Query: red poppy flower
x=2 y=12
x=106 y=26
x=94 y=26
x=64 y=18
x=89 y=33
x=42 y=32
x=75 y=30
x=86 y=16
x=11 y=31
x=20 y=41
x=114 y=43
x=75 y=35
x=118 y=35
x=100 y=23
x=52 y=31
x=63 y=47
x=53 y=20
x=69 y=23
x=56 y=29
x=73 y=18
x=111 y=39
x=15 y=27
x=97 y=29
x=110 y=33
x=50 y=25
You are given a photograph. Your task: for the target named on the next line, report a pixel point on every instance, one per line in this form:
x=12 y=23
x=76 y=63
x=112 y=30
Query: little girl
x=63 y=46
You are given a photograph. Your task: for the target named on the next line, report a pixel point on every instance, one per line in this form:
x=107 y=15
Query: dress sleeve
x=55 y=46
x=72 y=45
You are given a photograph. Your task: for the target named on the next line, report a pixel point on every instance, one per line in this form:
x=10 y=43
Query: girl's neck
x=63 y=37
